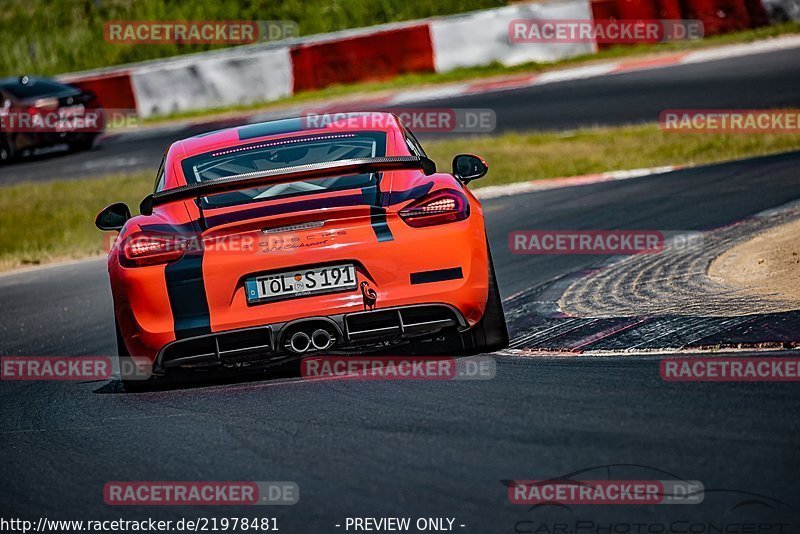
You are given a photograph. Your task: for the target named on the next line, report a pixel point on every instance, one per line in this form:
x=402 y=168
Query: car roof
x=35 y=87
x=308 y=124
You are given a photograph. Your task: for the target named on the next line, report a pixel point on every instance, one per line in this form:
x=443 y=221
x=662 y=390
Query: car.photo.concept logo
x=595 y=500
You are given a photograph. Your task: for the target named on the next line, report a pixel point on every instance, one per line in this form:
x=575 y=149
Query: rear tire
x=490 y=333
x=8 y=152
x=125 y=360
x=85 y=142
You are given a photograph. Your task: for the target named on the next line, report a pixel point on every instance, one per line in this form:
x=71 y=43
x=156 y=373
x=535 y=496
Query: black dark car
x=40 y=112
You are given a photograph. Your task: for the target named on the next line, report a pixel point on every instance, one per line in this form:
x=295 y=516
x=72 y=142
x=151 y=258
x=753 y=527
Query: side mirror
x=146 y=205
x=113 y=217
x=467 y=167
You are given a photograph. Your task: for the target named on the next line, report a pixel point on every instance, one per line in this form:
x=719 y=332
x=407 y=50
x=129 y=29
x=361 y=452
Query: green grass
x=42 y=222
x=420 y=79
x=55 y=36
x=48 y=221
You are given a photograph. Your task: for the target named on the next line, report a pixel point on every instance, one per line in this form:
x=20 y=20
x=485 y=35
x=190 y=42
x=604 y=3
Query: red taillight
x=439 y=207
x=149 y=249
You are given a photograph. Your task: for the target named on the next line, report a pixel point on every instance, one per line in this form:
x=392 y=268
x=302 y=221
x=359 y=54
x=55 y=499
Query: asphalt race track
x=766 y=80
x=369 y=448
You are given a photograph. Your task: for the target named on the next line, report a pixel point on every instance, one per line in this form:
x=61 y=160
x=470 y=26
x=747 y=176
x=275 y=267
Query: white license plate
x=301 y=282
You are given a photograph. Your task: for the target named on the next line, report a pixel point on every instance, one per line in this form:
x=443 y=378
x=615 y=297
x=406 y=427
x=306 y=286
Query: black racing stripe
x=377 y=218
x=424 y=277
x=185 y=286
x=371 y=195
x=377 y=215
x=187 y=295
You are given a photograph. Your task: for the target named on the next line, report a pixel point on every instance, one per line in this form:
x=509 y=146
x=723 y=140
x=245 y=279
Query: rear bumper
x=445 y=266
x=266 y=343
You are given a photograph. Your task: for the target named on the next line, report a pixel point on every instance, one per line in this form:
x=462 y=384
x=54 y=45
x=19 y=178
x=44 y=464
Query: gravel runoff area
x=766 y=266
x=749 y=267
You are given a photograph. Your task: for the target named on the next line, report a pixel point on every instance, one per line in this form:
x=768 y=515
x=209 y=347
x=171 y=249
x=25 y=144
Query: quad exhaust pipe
x=320 y=339
x=300 y=342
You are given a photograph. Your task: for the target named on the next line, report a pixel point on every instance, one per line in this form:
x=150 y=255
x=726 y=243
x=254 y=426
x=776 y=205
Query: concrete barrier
x=481 y=37
x=266 y=72
x=203 y=82
x=373 y=56
x=113 y=89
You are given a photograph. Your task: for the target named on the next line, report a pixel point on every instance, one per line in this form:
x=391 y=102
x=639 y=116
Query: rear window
x=36 y=88
x=285 y=153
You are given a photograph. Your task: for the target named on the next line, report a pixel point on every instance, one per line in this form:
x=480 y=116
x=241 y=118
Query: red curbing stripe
x=506 y=83
x=648 y=63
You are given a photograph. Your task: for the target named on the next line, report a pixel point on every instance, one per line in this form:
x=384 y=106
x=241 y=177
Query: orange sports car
x=268 y=241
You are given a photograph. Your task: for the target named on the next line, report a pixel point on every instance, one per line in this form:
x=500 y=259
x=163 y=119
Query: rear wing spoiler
x=286 y=174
